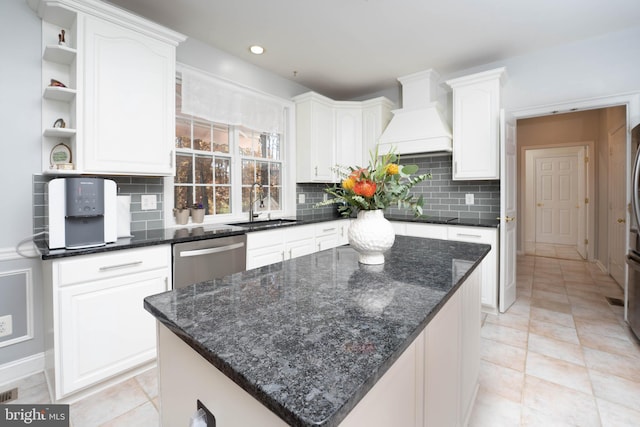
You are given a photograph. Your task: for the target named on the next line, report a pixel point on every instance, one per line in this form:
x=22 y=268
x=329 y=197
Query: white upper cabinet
x=129 y=107
x=331 y=133
x=376 y=115
x=476 y=119
x=349 y=134
x=315 y=146
x=118 y=105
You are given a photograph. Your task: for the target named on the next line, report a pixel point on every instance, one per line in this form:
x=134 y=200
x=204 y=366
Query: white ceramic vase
x=371 y=234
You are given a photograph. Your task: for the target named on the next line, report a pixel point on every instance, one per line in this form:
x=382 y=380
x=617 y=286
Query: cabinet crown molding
x=61 y=12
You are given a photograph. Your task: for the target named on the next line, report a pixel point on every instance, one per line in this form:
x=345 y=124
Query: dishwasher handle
x=208 y=251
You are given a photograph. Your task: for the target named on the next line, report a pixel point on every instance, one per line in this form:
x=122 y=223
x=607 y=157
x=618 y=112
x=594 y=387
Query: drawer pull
x=326 y=230
x=117 y=266
x=468 y=235
x=214 y=250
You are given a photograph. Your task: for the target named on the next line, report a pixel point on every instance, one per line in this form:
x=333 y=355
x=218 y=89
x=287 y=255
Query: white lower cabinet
x=490 y=273
x=485 y=235
x=97 y=328
x=429 y=231
x=332 y=234
x=271 y=246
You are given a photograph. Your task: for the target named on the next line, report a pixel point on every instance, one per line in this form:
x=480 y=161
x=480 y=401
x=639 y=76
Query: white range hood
x=419 y=126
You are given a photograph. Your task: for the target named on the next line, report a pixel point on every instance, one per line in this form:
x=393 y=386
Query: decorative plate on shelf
x=60 y=155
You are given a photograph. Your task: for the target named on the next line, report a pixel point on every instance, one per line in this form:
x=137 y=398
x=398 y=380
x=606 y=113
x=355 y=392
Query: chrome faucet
x=252 y=201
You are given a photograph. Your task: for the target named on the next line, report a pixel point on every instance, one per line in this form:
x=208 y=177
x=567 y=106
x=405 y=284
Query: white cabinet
x=119 y=101
x=315 y=144
x=476 y=120
x=264 y=248
x=452 y=357
x=429 y=231
x=129 y=101
x=331 y=234
x=488 y=236
x=376 y=115
x=97 y=328
x=272 y=246
x=331 y=133
x=299 y=241
x=348 y=116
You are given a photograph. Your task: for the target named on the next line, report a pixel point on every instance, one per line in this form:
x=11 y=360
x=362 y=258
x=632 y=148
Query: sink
x=264 y=223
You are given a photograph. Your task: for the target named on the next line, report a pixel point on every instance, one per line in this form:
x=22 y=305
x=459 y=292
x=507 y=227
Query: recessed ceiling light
x=257 y=50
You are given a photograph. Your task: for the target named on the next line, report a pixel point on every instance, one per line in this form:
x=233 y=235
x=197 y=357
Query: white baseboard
x=12 y=371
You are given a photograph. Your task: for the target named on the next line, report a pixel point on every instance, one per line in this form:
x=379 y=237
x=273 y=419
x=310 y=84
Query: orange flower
x=348 y=183
x=392 y=169
x=365 y=188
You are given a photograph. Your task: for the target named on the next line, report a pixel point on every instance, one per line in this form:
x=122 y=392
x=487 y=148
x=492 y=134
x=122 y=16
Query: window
x=218 y=165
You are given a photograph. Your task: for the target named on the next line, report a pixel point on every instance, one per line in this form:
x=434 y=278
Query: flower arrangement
x=383 y=183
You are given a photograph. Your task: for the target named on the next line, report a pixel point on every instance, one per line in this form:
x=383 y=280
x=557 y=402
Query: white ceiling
x=349 y=48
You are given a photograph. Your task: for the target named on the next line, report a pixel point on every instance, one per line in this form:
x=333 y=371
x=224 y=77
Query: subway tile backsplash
x=443 y=196
x=127 y=185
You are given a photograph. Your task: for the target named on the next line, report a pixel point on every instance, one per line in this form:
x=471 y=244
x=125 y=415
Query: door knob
x=539 y=204
x=621 y=221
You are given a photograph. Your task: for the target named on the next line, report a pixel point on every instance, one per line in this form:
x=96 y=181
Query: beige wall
x=572 y=129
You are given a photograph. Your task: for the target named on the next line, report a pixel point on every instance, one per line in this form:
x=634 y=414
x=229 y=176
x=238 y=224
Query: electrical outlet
x=325 y=197
x=469 y=199
x=148 y=202
x=6 y=325
x=301 y=198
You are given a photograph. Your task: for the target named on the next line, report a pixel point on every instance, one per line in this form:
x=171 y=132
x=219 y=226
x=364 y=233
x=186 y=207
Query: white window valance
x=212 y=99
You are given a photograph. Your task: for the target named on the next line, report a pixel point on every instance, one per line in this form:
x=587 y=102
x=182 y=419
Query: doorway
x=557 y=188
x=602 y=134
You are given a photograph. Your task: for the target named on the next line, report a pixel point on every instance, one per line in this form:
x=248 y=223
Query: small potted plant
x=181 y=213
x=197 y=213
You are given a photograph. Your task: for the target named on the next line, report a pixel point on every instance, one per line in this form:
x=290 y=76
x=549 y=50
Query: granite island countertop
x=309 y=337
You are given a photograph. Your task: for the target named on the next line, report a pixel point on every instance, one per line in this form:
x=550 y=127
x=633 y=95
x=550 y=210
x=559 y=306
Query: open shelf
x=59 y=54
x=59 y=93
x=59 y=132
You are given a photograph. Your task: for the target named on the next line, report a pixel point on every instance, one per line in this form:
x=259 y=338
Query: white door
x=557 y=200
x=508 y=209
x=617 y=204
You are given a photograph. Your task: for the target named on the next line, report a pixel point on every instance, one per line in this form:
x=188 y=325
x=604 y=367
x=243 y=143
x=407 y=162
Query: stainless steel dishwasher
x=208 y=259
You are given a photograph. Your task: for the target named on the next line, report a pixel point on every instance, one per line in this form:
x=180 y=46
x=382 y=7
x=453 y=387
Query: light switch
x=469 y=199
x=148 y=202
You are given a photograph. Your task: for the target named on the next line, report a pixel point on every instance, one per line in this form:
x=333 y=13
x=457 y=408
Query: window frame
x=287 y=163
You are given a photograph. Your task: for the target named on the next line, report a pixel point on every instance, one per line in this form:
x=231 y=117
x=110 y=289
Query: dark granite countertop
x=471 y=222
x=310 y=336
x=212 y=231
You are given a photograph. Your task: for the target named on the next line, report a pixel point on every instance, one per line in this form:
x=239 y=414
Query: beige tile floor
x=560 y=356
x=556 y=251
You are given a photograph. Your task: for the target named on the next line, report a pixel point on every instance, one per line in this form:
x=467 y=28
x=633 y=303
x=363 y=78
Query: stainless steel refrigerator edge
x=633 y=257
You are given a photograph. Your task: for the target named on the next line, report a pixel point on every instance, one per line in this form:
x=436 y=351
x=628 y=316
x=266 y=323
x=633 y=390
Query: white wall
x=602 y=66
x=20 y=155
x=219 y=63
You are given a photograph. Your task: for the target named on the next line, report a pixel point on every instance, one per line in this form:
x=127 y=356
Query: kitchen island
x=323 y=340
